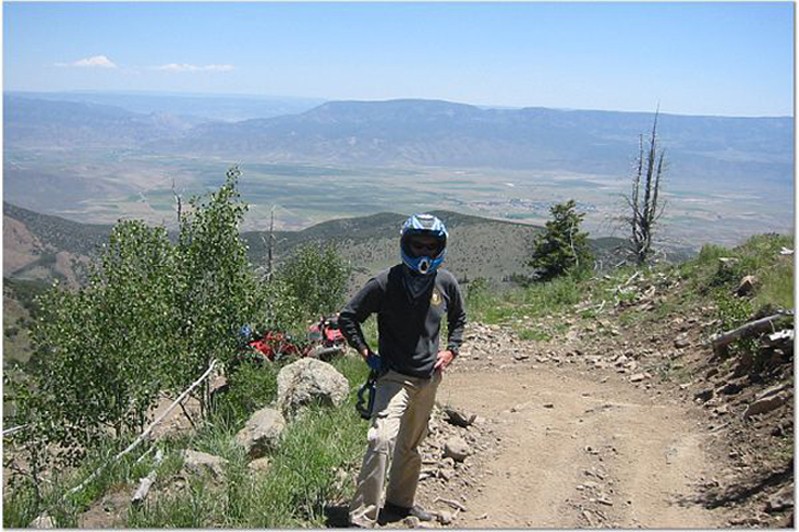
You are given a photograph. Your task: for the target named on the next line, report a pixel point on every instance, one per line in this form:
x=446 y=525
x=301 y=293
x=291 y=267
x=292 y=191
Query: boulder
x=262 y=432
x=201 y=463
x=309 y=381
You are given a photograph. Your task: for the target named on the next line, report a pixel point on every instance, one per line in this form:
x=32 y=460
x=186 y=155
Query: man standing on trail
x=410 y=299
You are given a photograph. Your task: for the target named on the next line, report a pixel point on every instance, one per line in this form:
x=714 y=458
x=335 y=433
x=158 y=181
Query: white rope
x=147 y=431
x=13 y=430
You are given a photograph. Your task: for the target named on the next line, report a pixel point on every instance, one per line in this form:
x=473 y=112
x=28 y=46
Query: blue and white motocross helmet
x=425 y=225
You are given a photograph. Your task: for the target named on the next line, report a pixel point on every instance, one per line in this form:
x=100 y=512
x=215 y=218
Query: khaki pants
x=398 y=425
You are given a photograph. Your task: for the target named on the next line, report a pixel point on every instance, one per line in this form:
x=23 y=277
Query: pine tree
x=562 y=247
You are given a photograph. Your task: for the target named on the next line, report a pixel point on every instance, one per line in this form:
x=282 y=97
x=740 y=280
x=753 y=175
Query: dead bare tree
x=645 y=206
x=178 y=202
x=270 y=246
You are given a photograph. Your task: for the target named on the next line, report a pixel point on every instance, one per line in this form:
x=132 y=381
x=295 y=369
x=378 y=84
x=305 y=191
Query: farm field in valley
x=102 y=187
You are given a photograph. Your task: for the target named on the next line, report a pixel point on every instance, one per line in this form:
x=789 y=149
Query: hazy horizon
x=281 y=97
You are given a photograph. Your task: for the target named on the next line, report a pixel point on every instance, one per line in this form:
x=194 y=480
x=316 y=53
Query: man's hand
x=372 y=359
x=444 y=359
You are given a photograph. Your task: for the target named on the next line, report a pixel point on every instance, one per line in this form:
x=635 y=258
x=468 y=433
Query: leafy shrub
x=100 y=351
x=314 y=279
x=218 y=289
x=152 y=317
x=250 y=387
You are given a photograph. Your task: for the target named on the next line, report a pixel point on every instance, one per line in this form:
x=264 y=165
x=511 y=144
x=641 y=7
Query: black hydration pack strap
x=365 y=404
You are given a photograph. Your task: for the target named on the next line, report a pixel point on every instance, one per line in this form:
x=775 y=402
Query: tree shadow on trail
x=717 y=497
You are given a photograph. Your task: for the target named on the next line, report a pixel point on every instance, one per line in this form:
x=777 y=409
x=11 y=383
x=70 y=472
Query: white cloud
x=97 y=61
x=183 y=67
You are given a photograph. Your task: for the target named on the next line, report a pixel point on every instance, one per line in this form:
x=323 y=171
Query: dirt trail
x=580 y=451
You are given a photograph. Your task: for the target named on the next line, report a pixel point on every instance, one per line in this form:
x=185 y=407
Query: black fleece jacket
x=408 y=328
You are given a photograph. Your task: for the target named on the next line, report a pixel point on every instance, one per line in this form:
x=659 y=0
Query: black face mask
x=416 y=284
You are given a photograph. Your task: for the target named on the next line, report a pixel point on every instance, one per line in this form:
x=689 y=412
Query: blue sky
x=714 y=58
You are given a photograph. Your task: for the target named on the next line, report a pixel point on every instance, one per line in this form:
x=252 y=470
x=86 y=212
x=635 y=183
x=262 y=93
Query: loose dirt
x=611 y=428
x=577 y=452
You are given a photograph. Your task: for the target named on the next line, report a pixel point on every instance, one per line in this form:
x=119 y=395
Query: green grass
x=539 y=299
x=534 y=334
x=295 y=491
x=777 y=285
x=298 y=485
x=20 y=505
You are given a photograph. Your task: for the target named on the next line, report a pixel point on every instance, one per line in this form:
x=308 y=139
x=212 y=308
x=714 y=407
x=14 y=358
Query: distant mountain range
x=194 y=107
x=420 y=133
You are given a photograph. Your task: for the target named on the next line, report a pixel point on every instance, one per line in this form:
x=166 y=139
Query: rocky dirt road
x=576 y=452
x=585 y=434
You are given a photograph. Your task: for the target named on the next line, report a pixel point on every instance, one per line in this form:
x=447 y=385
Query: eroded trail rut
x=579 y=452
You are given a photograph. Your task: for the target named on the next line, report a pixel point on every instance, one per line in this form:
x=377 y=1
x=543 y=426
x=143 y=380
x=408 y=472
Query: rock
x=786 y=522
x=262 y=432
x=638 y=377
x=457 y=449
x=259 y=465
x=746 y=286
x=458 y=418
x=704 y=395
x=721 y=410
x=444 y=517
x=446 y=473
x=411 y=522
x=782 y=500
x=731 y=388
x=682 y=341
x=308 y=381
x=200 y=463
x=774 y=390
x=766 y=404
x=43 y=521
x=219 y=385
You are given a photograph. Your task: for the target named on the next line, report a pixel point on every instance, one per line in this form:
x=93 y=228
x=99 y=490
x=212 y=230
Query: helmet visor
x=424 y=246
